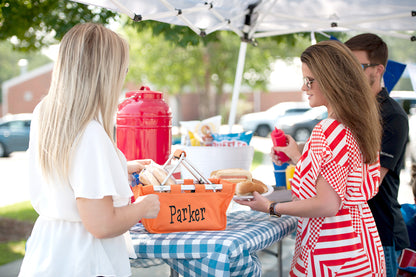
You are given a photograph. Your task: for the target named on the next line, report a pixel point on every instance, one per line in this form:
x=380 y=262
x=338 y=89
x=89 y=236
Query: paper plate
x=246 y=197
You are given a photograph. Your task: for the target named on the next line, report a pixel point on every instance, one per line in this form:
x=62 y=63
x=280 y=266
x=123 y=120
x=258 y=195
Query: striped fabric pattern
x=348 y=243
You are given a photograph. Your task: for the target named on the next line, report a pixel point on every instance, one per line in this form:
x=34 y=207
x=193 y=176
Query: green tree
x=205 y=64
x=173 y=58
x=39 y=23
x=204 y=67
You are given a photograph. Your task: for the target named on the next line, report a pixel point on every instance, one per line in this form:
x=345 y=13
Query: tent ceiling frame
x=252 y=22
x=250 y=31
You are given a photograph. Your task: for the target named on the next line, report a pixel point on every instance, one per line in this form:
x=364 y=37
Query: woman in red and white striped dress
x=337 y=172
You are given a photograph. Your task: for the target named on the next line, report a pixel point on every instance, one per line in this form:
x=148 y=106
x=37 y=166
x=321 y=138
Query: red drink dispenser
x=144 y=126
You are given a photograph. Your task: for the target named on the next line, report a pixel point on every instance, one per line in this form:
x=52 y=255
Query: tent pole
x=237 y=83
x=313 y=39
x=410 y=68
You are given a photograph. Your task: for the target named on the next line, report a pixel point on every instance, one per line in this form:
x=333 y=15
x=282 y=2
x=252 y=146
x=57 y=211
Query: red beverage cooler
x=144 y=126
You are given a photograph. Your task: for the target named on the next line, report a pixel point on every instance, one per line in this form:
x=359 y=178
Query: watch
x=272 y=212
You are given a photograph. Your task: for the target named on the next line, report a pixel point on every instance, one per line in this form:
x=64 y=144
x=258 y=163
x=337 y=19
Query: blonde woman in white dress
x=78 y=177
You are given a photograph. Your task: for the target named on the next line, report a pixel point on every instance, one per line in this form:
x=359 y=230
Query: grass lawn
x=11 y=251
x=21 y=211
x=15 y=249
x=257 y=159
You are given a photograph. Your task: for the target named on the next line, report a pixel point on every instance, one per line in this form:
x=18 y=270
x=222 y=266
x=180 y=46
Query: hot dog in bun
x=154 y=175
x=160 y=174
x=147 y=178
x=233 y=175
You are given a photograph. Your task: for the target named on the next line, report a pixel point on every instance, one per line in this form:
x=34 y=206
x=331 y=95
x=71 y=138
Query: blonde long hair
x=86 y=84
x=345 y=86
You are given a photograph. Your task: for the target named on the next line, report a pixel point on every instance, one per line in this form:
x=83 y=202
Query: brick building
x=21 y=95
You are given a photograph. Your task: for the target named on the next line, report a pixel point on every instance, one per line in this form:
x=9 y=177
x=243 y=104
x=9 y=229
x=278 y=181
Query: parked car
x=262 y=123
x=14 y=133
x=300 y=126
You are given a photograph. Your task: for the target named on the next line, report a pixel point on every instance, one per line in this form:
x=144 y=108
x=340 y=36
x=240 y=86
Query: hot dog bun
x=154 y=175
x=147 y=178
x=234 y=175
x=248 y=187
x=160 y=174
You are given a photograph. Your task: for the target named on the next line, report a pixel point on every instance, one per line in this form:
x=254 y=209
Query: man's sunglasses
x=367 y=65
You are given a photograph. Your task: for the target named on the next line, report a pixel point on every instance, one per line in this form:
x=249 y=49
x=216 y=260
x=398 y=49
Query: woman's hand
x=137 y=165
x=150 y=205
x=103 y=220
x=291 y=150
x=258 y=203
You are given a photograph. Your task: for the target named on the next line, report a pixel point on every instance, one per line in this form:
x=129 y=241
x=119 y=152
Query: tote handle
x=180 y=155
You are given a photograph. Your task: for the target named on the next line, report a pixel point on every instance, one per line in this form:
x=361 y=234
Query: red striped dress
x=348 y=243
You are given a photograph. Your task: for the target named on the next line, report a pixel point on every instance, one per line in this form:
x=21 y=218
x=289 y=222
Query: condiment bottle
x=279 y=139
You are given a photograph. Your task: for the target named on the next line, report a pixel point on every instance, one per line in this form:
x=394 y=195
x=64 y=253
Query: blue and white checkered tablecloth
x=231 y=252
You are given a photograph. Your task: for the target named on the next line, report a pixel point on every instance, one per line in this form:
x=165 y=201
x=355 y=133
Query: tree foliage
x=205 y=67
x=38 y=23
x=169 y=57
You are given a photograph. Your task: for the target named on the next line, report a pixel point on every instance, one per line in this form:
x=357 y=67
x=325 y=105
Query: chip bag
x=200 y=133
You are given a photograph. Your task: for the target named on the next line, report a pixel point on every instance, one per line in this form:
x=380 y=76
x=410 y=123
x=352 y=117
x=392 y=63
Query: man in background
x=372 y=52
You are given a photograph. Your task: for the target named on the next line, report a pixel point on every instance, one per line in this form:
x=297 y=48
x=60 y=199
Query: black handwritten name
x=186 y=214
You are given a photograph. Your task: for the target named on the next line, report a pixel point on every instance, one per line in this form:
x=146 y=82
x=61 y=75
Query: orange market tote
x=190 y=207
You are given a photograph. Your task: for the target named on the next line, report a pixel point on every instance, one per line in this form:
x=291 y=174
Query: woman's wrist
x=273 y=208
x=296 y=158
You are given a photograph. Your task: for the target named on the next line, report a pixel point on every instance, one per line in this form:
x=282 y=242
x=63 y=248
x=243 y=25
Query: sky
x=51 y=52
x=286 y=76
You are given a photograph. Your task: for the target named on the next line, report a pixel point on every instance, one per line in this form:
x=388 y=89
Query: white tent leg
x=237 y=83
x=313 y=39
x=410 y=68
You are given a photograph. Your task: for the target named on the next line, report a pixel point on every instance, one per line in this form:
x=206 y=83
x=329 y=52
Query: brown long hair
x=346 y=88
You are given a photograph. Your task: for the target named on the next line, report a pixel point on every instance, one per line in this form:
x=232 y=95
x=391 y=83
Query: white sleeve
x=96 y=168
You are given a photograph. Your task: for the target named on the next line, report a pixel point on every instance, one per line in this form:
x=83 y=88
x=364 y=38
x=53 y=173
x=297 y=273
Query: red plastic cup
x=279 y=139
x=408 y=258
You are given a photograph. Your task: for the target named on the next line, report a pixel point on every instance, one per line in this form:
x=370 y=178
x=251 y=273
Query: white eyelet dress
x=59 y=244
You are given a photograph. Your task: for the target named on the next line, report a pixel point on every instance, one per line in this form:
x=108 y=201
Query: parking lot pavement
x=13 y=179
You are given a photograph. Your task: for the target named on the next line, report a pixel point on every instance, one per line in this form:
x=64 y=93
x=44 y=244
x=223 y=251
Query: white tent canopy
x=251 y=19
x=256 y=18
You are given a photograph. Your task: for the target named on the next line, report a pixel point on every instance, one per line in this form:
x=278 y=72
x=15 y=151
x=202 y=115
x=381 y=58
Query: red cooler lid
x=144 y=93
